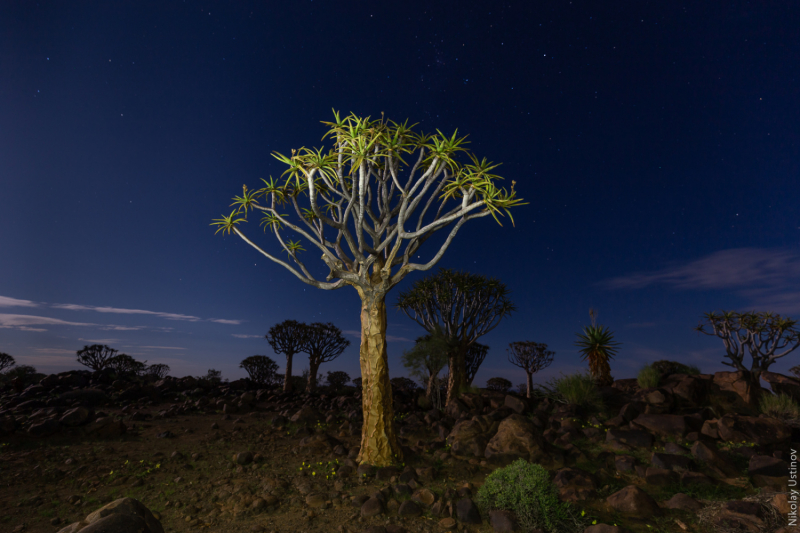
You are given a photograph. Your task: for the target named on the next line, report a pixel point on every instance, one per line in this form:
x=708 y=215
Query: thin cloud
x=122 y=328
x=163 y=347
x=243 y=336
x=122 y=311
x=225 y=321
x=769 y=279
x=16 y=321
x=26 y=328
x=5 y=301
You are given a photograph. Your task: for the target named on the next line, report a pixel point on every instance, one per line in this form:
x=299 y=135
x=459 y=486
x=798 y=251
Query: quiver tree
x=337 y=379
x=288 y=338
x=261 y=369
x=367 y=205
x=97 y=356
x=530 y=357
x=466 y=306
x=426 y=359
x=125 y=364
x=158 y=371
x=324 y=344
x=765 y=336
x=6 y=361
x=596 y=345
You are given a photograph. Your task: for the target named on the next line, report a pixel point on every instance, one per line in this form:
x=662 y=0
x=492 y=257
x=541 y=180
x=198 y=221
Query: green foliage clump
x=498 y=384
x=575 y=389
x=649 y=377
x=780 y=406
x=667 y=368
x=525 y=489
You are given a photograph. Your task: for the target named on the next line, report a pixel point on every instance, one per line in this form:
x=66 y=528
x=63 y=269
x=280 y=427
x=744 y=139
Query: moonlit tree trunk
x=457 y=381
x=378 y=441
x=530 y=383
x=287 y=379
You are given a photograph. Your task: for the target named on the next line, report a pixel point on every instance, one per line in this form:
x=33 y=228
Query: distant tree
x=522 y=388
x=125 y=364
x=6 y=361
x=97 y=356
x=371 y=200
x=324 y=344
x=427 y=358
x=403 y=384
x=473 y=360
x=356 y=382
x=466 y=306
x=597 y=346
x=765 y=336
x=261 y=369
x=213 y=376
x=337 y=379
x=159 y=370
x=530 y=357
x=25 y=374
x=288 y=338
x=498 y=384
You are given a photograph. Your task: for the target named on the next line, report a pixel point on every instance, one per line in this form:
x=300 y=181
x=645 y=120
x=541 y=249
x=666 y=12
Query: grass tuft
x=649 y=377
x=780 y=406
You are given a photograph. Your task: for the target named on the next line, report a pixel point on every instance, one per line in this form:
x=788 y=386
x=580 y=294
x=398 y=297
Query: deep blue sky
x=657 y=145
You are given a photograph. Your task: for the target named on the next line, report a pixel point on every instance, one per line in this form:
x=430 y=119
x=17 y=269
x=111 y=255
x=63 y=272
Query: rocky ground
x=687 y=456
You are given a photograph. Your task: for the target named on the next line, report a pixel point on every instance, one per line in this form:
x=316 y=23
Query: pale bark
x=311 y=386
x=379 y=445
x=458 y=377
x=530 y=383
x=287 y=380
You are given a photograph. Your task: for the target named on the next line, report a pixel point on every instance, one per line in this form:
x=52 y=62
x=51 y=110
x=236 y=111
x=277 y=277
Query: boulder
x=410 y=508
x=106 y=428
x=635 y=502
x=767 y=471
x=737 y=382
x=470 y=437
x=688 y=391
x=683 y=502
x=516 y=404
x=708 y=455
x=635 y=437
x=662 y=424
x=75 y=417
x=44 y=428
x=669 y=461
x=516 y=437
x=660 y=477
x=125 y=515
x=467 y=511
x=575 y=485
x=305 y=414
x=761 y=431
x=781 y=384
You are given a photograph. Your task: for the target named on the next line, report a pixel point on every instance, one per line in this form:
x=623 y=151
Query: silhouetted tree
x=596 y=346
x=765 y=336
x=498 y=384
x=6 y=361
x=337 y=379
x=261 y=369
x=530 y=357
x=473 y=360
x=427 y=358
x=466 y=306
x=324 y=344
x=96 y=356
x=125 y=364
x=159 y=370
x=213 y=376
x=288 y=338
x=367 y=201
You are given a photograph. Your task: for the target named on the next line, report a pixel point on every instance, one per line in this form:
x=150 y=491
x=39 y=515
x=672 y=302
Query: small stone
x=683 y=502
x=409 y=508
x=166 y=435
x=243 y=458
x=371 y=507
x=447 y=523
x=316 y=501
x=467 y=511
x=214 y=426
x=55 y=521
x=424 y=496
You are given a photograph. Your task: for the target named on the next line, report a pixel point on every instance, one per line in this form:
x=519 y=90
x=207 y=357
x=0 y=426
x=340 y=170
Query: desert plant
x=212 y=376
x=96 y=356
x=779 y=406
x=288 y=338
x=403 y=384
x=159 y=371
x=465 y=307
x=337 y=379
x=574 y=389
x=766 y=336
x=596 y=345
x=6 y=361
x=124 y=364
x=261 y=369
x=531 y=357
x=324 y=343
x=25 y=373
x=668 y=368
x=525 y=489
x=426 y=359
x=795 y=370
x=372 y=201
x=649 y=377
x=498 y=384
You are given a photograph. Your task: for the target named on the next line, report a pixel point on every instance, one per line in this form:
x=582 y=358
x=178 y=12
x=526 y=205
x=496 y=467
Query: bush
x=26 y=374
x=498 y=384
x=337 y=379
x=667 y=368
x=158 y=371
x=212 y=376
x=261 y=369
x=780 y=406
x=525 y=489
x=574 y=389
x=649 y=377
x=403 y=384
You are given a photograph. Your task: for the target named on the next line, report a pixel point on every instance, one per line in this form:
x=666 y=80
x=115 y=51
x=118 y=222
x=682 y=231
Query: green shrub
x=525 y=489
x=780 y=406
x=575 y=389
x=667 y=368
x=648 y=377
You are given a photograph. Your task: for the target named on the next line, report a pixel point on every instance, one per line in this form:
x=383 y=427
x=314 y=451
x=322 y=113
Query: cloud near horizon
x=769 y=279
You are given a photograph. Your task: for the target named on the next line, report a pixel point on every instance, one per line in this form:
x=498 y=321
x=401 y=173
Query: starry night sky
x=658 y=146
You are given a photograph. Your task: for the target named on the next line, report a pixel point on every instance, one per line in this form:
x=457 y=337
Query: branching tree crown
x=288 y=338
x=765 y=336
x=96 y=356
x=159 y=370
x=466 y=306
x=6 y=361
x=367 y=204
x=324 y=344
x=476 y=354
x=531 y=357
x=261 y=369
x=125 y=364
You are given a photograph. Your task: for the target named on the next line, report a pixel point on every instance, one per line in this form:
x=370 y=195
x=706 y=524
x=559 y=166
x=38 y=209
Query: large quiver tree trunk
x=378 y=441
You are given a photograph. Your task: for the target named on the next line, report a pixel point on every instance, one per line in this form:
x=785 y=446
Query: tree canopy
x=324 y=344
x=97 y=356
x=288 y=338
